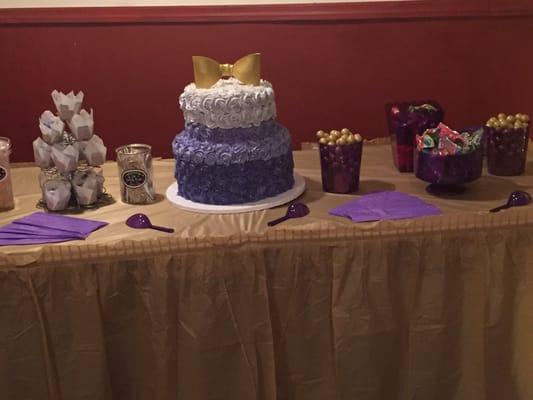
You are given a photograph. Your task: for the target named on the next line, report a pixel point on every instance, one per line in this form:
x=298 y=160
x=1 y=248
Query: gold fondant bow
x=208 y=71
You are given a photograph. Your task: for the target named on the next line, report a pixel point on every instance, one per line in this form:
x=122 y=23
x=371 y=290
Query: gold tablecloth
x=315 y=308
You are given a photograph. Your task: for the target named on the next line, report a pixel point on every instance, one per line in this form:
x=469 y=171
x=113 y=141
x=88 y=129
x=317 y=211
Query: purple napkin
x=42 y=227
x=383 y=206
x=76 y=226
x=36 y=231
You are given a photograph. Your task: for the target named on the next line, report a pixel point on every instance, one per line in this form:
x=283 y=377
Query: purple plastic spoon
x=141 y=221
x=295 y=210
x=517 y=198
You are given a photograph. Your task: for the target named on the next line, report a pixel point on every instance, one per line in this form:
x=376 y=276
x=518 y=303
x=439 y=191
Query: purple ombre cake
x=232 y=150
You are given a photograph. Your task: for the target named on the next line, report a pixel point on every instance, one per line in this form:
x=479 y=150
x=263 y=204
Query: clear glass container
x=85 y=184
x=7 y=202
x=56 y=190
x=135 y=173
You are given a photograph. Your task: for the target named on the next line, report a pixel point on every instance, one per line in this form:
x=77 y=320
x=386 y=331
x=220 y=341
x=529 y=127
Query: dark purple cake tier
x=233 y=166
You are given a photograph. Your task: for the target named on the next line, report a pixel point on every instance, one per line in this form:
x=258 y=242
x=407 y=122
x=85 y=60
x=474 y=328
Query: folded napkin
x=383 y=206
x=42 y=227
x=36 y=231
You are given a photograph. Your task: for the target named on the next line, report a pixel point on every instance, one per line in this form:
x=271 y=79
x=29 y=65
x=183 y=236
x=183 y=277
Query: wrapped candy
x=453 y=136
x=94 y=151
x=56 y=193
x=85 y=183
x=447 y=147
x=443 y=140
x=65 y=158
x=82 y=125
x=51 y=127
x=67 y=104
x=42 y=153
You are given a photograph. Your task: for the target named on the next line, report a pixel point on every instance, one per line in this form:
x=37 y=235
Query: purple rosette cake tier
x=233 y=166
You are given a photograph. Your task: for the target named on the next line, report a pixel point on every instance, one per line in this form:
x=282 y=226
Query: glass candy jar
x=6 y=188
x=135 y=173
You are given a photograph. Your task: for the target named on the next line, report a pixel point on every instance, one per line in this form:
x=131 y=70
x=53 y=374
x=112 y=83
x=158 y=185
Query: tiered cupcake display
x=340 y=160
x=70 y=159
x=507 y=140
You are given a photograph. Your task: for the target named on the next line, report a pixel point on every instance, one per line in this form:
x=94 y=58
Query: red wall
x=327 y=74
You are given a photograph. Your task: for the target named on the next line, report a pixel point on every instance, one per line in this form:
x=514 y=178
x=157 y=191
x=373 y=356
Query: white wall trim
x=148 y=3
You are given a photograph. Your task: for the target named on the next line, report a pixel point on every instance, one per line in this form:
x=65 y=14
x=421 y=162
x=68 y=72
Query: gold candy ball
x=322 y=140
x=502 y=116
x=525 y=118
x=320 y=134
x=350 y=139
x=358 y=137
x=331 y=143
x=345 y=131
x=341 y=141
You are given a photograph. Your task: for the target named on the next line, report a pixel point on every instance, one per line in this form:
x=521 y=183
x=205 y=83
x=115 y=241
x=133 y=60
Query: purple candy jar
x=340 y=165
x=447 y=174
x=405 y=121
x=507 y=150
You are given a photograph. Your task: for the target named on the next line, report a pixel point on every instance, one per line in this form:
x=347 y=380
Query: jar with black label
x=135 y=173
x=7 y=201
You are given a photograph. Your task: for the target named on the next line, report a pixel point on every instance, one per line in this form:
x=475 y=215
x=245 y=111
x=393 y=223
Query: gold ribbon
x=208 y=71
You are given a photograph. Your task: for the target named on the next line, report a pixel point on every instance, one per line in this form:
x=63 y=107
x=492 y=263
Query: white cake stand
x=285 y=197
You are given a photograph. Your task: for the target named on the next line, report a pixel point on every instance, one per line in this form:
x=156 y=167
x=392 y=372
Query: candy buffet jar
x=135 y=172
x=507 y=151
x=448 y=174
x=340 y=167
x=405 y=121
x=7 y=201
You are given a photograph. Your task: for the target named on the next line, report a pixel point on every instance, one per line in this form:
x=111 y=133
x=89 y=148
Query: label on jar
x=3 y=173
x=134 y=178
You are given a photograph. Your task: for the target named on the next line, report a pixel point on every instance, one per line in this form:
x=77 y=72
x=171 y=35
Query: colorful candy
x=444 y=141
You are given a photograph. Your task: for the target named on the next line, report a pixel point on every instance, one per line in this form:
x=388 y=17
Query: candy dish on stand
x=448 y=160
